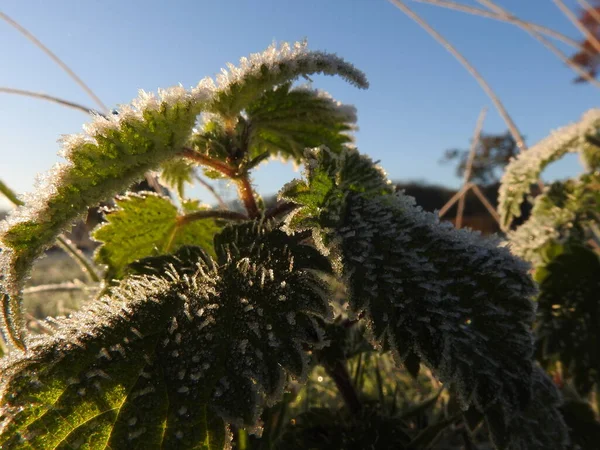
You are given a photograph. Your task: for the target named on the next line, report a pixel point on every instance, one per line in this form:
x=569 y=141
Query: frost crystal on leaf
x=525 y=170
x=112 y=154
x=458 y=301
x=238 y=86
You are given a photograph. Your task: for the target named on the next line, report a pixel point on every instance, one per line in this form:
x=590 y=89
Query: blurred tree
x=493 y=153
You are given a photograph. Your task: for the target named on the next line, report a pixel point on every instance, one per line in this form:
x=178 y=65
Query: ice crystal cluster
x=460 y=302
x=115 y=151
x=169 y=359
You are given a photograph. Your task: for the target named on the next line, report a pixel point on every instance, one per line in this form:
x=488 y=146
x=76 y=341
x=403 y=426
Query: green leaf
x=143 y=225
x=102 y=380
x=114 y=153
x=176 y=173
x=241 y=86
x=168 y=362
x=539 y=426
x=562 y=212
x=525 y=170
x=285 y=121
x=569 y=314
x=457 y=300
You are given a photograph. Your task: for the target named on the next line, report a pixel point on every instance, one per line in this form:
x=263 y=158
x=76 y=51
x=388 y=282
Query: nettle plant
x=207 y=315
x=561 y=239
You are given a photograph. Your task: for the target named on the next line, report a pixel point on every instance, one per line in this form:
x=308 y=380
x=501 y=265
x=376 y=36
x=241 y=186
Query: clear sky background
x=421 y=101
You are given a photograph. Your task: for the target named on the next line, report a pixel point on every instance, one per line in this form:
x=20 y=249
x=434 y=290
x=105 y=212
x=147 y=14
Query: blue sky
x=421 y=101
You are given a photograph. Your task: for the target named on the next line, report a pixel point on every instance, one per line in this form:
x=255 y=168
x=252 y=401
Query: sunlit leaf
x=143 y=225
x=169 y=359
x=525 y=170
x=112 y=154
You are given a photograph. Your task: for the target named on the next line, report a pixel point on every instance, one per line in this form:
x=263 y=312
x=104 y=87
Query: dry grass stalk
x=482 y=82
x=580 y=26
x=50 y=98
x=513 y=20
x=549 y=45
x=54 y=58
x=469 y=168
x=593 y=12
x=485 y=202
x=450 y=203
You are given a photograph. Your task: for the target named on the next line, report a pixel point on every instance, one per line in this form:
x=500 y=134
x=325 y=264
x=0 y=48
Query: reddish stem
x=246 y=194
x=204 y=160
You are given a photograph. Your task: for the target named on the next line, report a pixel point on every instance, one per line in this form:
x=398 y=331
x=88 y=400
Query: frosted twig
x=580 y=26
x=549 y=45
x=482 y=82
x=50 y=98
x=211 y=214
x=54 y=58
x=469 y=168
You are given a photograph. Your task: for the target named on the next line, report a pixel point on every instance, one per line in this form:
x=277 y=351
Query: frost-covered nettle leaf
x=525 y=170
x=240 y=86
x=285 y=121
x=176 y=173
x=330 y=177
x=563 y=210
x=102 y=379
x=569 y=314
x=111 y=154
x=540 y=426
x=457 y=300
x=143 y=225
x=169 y=362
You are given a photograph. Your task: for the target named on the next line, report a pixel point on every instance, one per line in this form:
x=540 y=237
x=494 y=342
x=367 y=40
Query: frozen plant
x=561 y=239
x=206 y=316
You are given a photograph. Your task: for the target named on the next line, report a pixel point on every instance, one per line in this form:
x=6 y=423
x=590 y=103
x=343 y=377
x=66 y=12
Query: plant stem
x=67 y=286
x=50 y=98
x=210 y=214
x=454 y=199
x=245 y=191
x=469 y=168
x=246 y=194
x=207 y=161
x=85 y=264
x=339 y=374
